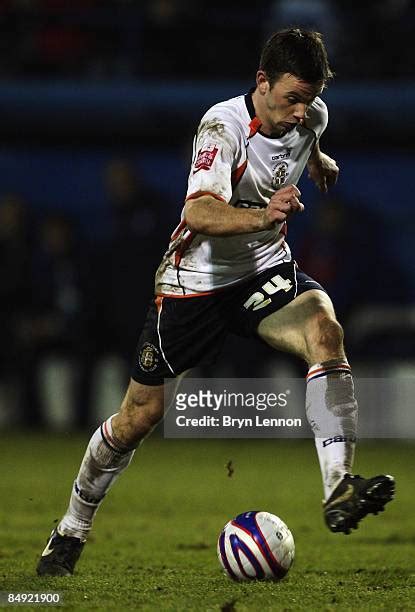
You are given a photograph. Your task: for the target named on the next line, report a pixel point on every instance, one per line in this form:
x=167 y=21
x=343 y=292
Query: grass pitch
x=153 y=545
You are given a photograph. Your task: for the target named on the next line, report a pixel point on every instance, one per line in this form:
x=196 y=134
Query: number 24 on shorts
x=258 y=300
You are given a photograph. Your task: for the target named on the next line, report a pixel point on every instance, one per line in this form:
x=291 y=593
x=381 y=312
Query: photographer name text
x=235 y=422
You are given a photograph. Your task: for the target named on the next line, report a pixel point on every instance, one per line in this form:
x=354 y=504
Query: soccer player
x=228 y=268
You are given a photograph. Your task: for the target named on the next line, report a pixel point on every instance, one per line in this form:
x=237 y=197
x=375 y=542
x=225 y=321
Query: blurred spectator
x=134 y=205
x=52 y=335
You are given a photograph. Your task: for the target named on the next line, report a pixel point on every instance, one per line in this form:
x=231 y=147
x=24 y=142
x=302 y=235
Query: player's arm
x=213 y=217
x=322 y=169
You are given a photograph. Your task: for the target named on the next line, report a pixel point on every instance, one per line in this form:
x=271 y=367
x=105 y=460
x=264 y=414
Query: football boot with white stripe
x=60 y=555
x=356 y=497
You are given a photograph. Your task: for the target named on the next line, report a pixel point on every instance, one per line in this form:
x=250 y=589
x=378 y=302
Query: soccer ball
x=256 y=545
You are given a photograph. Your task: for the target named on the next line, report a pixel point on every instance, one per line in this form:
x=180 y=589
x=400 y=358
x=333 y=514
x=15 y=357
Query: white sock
x=331 y=410
x=104 y=460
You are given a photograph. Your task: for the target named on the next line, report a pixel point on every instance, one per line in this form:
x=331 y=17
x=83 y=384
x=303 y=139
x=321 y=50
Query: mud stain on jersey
x=162 y=268
x=214 y=129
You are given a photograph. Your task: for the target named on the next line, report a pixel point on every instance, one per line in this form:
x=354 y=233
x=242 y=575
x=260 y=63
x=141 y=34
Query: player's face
x=284 y=105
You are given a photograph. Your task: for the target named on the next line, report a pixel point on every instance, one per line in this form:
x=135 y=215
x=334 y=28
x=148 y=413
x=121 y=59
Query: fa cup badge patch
x=205 y=158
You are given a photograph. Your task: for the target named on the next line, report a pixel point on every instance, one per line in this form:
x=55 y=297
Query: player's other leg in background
x=308 y=327
x=108 y=454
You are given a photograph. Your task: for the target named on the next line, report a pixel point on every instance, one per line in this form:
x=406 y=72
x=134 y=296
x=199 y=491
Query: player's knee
x=324 y=337
x=140 y=412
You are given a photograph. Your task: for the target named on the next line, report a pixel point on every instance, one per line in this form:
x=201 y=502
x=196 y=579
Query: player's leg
x=112 y=446
x=108 y=454
x=308 y=327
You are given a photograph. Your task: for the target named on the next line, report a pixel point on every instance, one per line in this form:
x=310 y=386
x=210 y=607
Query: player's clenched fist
x=283 y=203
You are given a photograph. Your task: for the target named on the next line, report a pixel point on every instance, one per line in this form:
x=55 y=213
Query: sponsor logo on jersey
x=149 y=357
x=205 y=158
x=285 y=155
x=280 y=175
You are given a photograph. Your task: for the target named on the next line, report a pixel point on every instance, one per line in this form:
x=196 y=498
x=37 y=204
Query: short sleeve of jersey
x=318 y=117
x=216 y=154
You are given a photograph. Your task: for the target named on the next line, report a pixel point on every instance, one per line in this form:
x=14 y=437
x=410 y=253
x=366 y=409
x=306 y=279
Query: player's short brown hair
x=298 y=52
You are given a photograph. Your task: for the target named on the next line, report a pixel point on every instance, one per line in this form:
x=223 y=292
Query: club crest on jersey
x=149 y=357
x=280 y=175
x=205 y=157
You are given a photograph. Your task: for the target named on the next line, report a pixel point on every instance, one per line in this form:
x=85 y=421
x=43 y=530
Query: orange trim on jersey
x=178 y=229
x=254 y=126
x=190 y=295
x=199 y=194
x=158 y=300
x=238 y=173
x=183 y=246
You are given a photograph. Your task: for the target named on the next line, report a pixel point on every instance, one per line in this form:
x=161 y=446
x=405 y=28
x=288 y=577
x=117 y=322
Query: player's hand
x=282 y=204
x=323 y=170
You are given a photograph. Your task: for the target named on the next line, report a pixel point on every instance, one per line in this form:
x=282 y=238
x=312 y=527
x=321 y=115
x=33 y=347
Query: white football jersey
x=239 y=165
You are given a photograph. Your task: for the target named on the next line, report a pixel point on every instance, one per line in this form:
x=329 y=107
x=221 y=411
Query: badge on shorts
x=149 y=357
x=205 y=158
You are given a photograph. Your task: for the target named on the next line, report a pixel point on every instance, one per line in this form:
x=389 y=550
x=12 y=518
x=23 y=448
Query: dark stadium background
x=99 y=102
